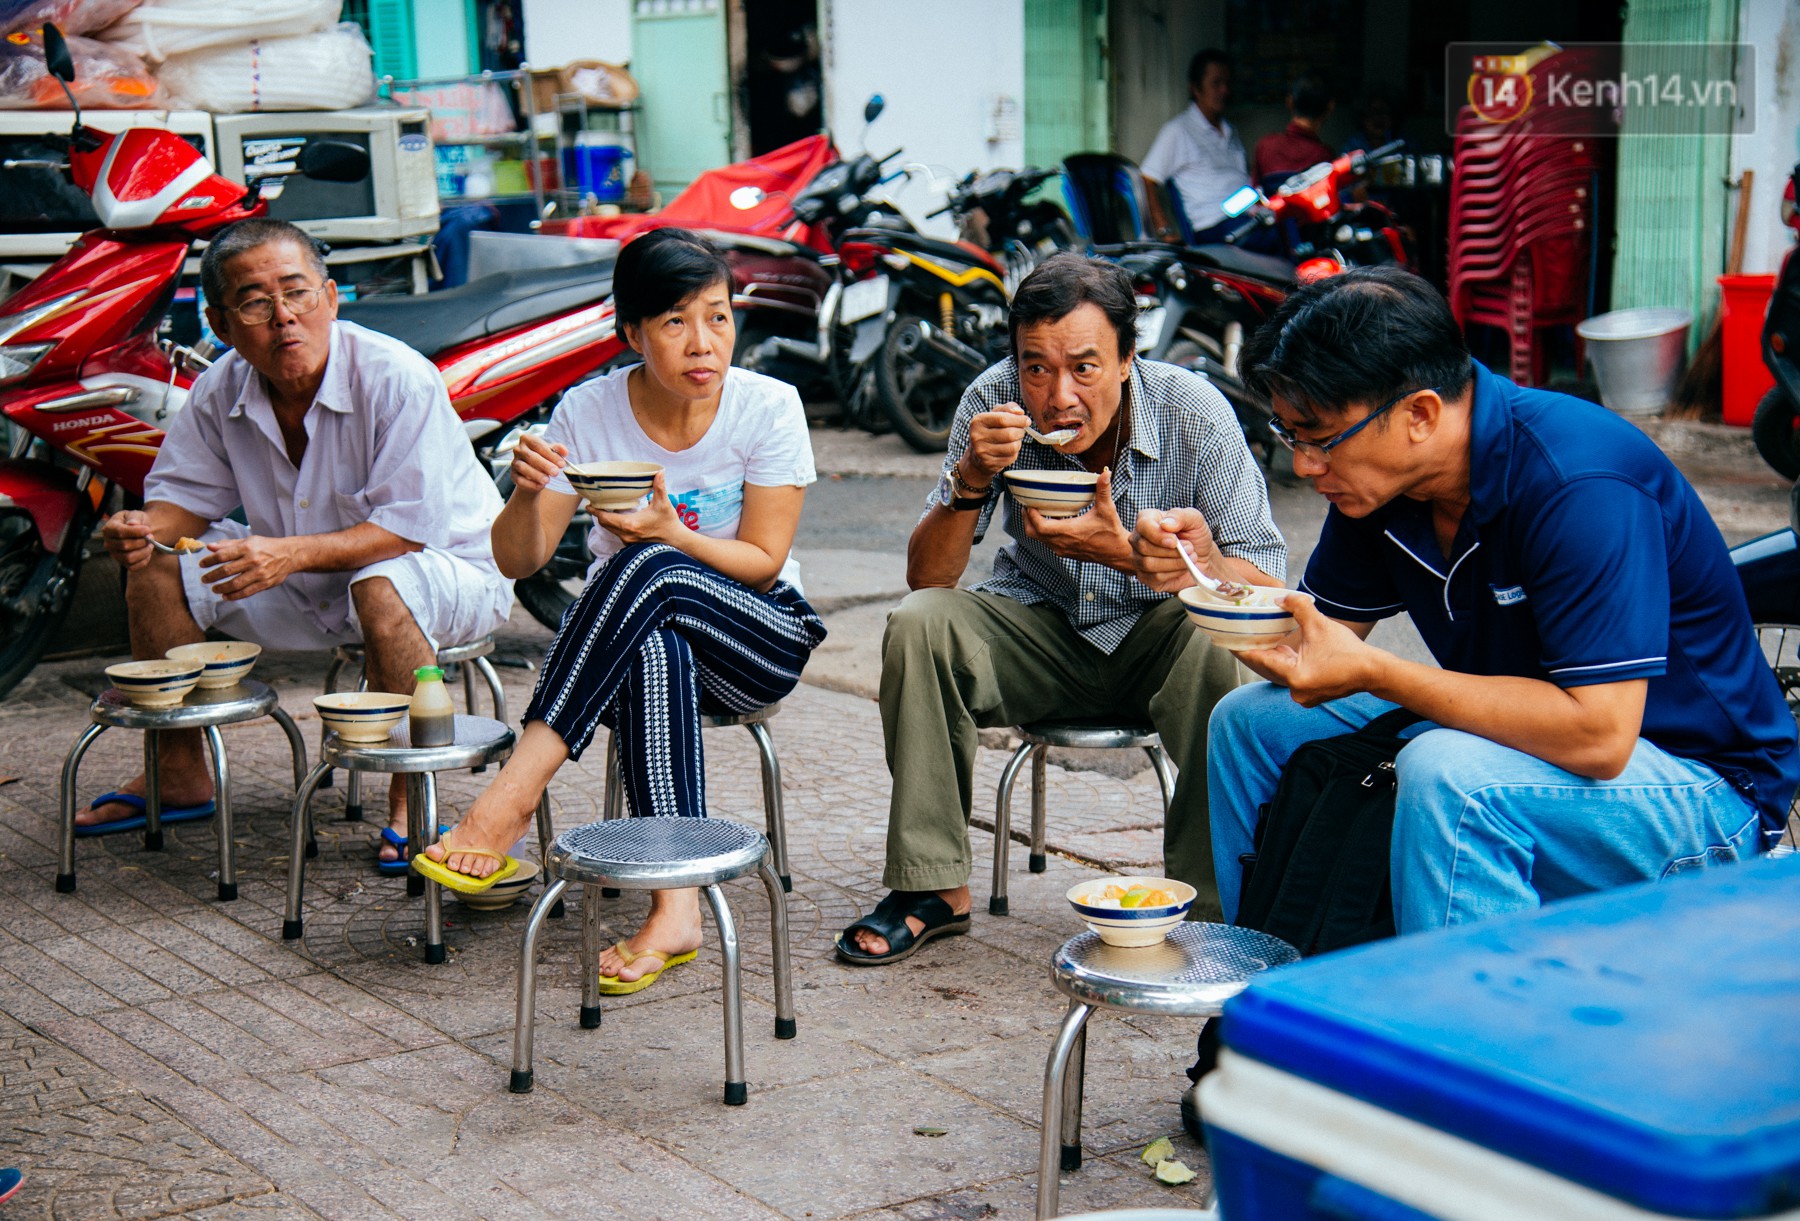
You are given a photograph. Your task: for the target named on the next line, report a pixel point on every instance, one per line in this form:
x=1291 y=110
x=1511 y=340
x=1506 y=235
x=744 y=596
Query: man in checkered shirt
x=1062 y=629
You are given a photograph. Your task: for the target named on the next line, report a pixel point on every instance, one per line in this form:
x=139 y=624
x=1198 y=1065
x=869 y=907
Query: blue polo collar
x=1490 y=444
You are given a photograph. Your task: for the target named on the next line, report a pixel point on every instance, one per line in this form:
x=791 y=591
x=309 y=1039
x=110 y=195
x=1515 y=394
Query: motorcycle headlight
x=17 y=360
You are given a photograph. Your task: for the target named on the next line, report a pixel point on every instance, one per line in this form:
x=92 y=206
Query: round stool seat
x=1193 y=972
x=657 y=853
x=1086 y=735
x=479 y=741
x=726 y=720
x=450 y=654
x=202 y=707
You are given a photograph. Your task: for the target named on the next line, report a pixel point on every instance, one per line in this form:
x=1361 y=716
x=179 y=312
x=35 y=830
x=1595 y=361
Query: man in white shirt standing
x=1199 y=154
x=368 y=514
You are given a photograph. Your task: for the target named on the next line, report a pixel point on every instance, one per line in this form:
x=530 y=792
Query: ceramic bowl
x=1131 y=927
x=227 y=662
x=502 y=895
x=1052 y=493
x=155 y=684
x=362 y=716
x=1256 y=624
x=613 y=486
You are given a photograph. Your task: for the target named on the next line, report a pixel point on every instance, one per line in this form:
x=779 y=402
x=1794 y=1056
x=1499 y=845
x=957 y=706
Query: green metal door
x=679 y=57
x=1066 y=81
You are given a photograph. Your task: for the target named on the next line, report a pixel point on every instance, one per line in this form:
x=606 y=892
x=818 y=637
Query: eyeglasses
x=1320 y=451
x=258 y=310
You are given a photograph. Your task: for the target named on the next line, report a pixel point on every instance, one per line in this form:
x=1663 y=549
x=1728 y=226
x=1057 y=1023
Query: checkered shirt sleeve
x=1185 y=449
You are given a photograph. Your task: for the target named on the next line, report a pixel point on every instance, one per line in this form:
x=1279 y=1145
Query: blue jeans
x=1479 y=828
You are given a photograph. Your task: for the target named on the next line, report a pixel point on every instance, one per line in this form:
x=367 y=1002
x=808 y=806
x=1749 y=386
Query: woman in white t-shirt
x=693 y=602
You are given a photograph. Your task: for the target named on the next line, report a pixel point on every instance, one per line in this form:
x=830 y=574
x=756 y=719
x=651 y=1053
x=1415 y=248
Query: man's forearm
x=938 y=551
x=348 y=550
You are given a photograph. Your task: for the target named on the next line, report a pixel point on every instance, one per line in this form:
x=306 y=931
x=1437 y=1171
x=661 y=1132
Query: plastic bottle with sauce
x=432 y=718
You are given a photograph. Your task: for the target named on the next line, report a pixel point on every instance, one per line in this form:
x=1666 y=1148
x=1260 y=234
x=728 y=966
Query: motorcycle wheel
x=24 y=561
x=920 y=399
x=1776 y=431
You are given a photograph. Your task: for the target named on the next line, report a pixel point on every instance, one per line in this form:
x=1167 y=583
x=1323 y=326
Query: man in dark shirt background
x=1286 y=152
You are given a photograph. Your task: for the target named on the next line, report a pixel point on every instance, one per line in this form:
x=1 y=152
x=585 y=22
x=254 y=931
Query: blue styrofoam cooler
x=1634 y=1054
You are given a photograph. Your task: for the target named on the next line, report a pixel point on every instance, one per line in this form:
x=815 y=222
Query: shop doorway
x=782 y=86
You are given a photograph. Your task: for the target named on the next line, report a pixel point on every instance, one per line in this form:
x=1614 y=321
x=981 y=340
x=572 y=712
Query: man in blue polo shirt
x=1602 y=714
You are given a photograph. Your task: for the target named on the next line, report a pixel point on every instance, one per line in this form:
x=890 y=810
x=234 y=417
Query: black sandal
x=888 y=921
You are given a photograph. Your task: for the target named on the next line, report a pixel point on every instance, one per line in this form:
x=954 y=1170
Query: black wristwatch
x=960 y=496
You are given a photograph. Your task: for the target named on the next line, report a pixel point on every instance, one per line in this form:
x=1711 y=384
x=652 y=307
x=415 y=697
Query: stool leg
x=297 y=853
x=492 y=678
x=590 y=961
x=434 y=894
x=736 y=1091
x=222 y=797
x=772 y=808
x=545 y=834
x=1165 y=774
x=778 y=941
x=525 y=1015
x=1074 y=1082
x=331 y=677
x=1055 y=1081
x=1003 y=827
x=153 y=835
x=1039 y=779
x=65 y=874
x=296 y=743
x=415 y=827
x=613 y=805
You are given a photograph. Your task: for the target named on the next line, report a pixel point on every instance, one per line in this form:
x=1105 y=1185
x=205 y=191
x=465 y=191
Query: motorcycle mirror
x=334 y=161
x=56 y=54
x=746 y=197
x=873 y=107
x=1239 y=201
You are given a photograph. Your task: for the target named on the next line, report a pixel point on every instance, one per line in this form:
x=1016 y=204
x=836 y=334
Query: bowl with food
x=160 y=683
x=1133 y=912
x=1052 y=493
x=226 y=663
x=1256 y=620
x=362 y=716
x=613 y=487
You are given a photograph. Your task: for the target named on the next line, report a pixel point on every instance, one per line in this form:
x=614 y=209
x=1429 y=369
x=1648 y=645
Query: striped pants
x=655 y=639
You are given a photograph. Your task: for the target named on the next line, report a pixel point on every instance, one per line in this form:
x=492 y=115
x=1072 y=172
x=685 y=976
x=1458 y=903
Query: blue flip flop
x=11 y=1179
x=398 y=866
x=137 y=822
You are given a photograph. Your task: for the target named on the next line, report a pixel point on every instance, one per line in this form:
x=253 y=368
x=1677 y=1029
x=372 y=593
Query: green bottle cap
x=426 y=674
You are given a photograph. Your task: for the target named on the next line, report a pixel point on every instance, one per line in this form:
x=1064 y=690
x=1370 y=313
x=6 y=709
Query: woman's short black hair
x=660 y=270
x=1361 y=337
x=1064 y=281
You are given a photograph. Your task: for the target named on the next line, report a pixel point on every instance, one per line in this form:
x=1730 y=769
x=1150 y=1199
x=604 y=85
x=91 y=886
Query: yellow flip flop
x=443 y=875
x=611 y=985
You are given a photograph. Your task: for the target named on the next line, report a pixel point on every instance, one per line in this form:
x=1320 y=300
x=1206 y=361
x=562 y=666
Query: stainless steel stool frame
x=418 y=765
x=472 y=656
x=1036 y=739
x=658 y=875
x=773 y=812
x=1192 y=973
x=202 y=710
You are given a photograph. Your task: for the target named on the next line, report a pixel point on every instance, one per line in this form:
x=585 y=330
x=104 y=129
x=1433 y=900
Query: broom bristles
x=1700 y=395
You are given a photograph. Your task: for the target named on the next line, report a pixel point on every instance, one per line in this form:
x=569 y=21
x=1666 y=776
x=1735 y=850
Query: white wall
x=945 y=68
x=1773 y=28
x=557 y=31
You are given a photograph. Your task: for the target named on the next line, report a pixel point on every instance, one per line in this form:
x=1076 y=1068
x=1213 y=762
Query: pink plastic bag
x=70 y=16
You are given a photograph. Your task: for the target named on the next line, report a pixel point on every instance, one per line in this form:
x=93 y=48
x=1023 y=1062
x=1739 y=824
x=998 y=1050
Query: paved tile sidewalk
x=162 y=1054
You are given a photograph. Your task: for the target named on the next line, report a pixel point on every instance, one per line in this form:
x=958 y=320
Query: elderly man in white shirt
x=368 y=514
x=1198 y=153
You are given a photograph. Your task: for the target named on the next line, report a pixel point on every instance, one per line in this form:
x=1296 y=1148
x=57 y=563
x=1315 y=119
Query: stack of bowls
x=1256 y=623
x=226 y=663
x=1052 y=493
x=162 y=683
x=362 y=716
x=613 y=487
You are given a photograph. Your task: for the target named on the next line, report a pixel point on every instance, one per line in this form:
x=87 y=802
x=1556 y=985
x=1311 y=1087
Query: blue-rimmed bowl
x=226 y=662
x=1256 y=624
x=159 y=683
x=613 y=486
x=1131 y=927
x=362 y=716
x=1052 y=493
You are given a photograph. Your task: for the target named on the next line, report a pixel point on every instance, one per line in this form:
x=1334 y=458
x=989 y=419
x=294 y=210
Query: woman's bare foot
x=493 y=825
x=875 y=943
x=193 y=789
x=672 y=927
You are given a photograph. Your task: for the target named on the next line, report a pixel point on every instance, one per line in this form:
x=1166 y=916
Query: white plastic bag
x=161 y=28
x=324 y=71
x=106 y=77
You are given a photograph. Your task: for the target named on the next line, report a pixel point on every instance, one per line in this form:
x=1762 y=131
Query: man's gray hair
x=246 y=236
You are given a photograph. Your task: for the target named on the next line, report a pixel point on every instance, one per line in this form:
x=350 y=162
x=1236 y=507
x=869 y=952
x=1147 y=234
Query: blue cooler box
x=1634 y=1054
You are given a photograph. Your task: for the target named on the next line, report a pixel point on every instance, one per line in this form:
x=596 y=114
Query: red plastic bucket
x=1743 y=301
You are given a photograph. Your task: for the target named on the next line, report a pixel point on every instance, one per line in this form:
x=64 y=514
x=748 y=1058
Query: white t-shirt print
x=758 y=437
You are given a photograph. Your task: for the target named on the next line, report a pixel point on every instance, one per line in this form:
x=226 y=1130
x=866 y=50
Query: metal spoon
x=1056 y=440
x=168 y=550
x=512 y=443
x=1231 y=591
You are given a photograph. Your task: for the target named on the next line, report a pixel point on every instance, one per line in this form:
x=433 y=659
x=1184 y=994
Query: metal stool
x=1036 y=739
x=204 y=710
x=1192 y=973
x=658 y=854
x=478 y=741
x=773 y=818
x=472 y=657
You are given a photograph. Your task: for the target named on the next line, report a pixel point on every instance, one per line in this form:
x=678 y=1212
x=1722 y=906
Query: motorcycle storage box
x=1633 y=1054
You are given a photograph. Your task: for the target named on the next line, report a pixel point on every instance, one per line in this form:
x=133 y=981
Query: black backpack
x=1318 y=877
